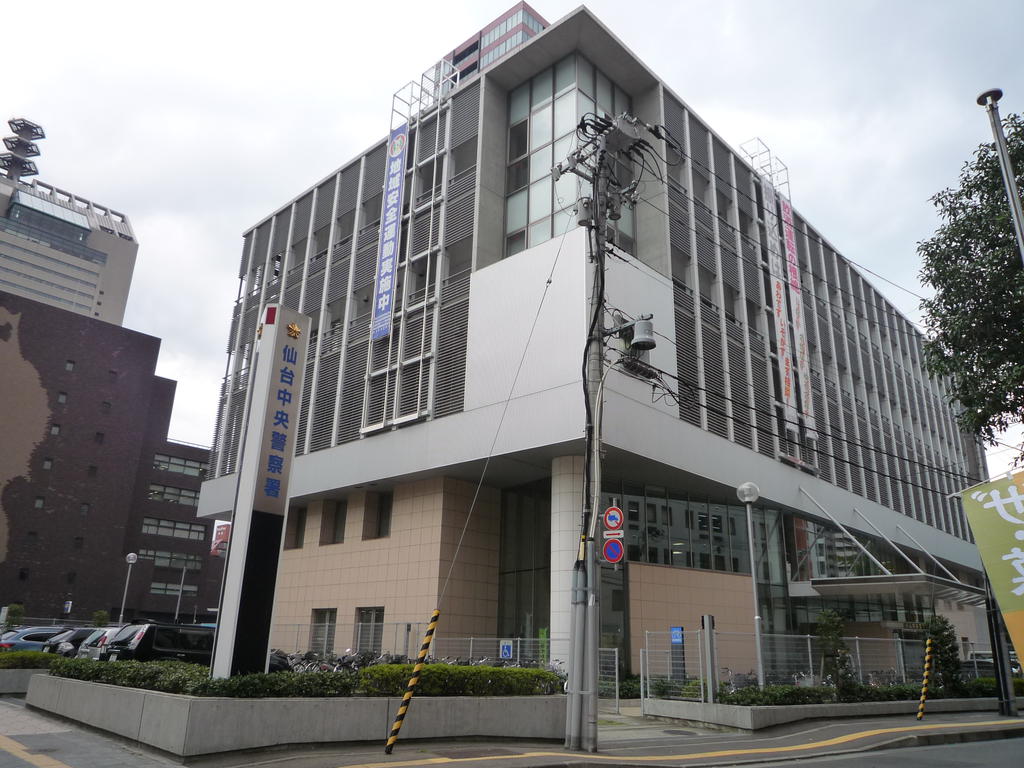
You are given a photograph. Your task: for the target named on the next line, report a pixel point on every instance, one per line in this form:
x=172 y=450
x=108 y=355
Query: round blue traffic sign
x=613 y=518
x=613 y=550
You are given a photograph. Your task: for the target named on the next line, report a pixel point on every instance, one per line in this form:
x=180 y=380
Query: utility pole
x=989 y=100
x=591 y=163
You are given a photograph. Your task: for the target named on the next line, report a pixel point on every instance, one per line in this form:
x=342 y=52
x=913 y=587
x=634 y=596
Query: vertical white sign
x=780 y=310
x=803 y=362
x=275 y=383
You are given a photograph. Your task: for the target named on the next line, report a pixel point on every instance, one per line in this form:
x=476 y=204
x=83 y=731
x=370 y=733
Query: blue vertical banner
x=390 y=233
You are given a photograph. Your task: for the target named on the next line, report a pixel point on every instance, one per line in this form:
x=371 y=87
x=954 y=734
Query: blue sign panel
x=677 y=635
x=390 y=233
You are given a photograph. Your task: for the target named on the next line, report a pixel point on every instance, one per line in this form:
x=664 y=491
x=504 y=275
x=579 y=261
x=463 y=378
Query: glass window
x=565 y=114
x=540 y=199
x=540 y=163
x=586 y=76
x=517 y=140
x=518 y=176
x=604 y=93
x=176 y=495
x=516 y=213
x=515 y=243
x=565 y=73
x=519 y=104
x=540 y=127
x=540 y=232
x=542 y=87
x=584 y=105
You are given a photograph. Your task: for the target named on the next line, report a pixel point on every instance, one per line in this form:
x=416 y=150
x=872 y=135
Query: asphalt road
x=990 y=754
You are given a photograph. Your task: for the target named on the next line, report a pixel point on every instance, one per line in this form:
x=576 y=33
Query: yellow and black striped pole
x=413 y=682
x=927 y=675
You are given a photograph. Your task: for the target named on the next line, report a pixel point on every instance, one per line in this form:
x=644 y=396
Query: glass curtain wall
x=543 y=115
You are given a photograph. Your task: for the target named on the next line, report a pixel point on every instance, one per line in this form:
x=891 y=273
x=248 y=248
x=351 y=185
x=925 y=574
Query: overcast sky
x=198 y=119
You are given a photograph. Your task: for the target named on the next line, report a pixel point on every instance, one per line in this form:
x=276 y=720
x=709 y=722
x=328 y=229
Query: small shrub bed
x=455 y=680
x=379 y=680
x=787 y=695
x=194 y=679
x=26 y=660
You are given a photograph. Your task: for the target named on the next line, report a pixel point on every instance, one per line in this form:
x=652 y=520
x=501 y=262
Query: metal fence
x=404 y=639
x=685 y=668
x=608 y=680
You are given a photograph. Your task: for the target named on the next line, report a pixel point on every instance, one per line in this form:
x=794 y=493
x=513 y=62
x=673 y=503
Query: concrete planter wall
x=16 y=680
x=755 y=718
x=188 y=726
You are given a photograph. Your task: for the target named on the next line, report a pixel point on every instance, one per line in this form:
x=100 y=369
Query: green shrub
x=629 y=687
x=986 y=686
x=455 y=680
x=26 y=659
x=15 y=615
x=378 y=680
x=100 y=618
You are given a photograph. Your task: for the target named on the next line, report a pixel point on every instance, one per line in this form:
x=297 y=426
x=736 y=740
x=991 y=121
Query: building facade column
x=566 y=508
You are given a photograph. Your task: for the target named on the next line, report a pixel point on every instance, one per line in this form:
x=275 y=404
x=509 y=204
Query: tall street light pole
x=989 y=100
x=181 y=587
x=748 y=493
x=130 y=558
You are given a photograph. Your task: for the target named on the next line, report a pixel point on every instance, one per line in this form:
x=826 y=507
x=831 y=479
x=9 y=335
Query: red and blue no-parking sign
x=613 y=550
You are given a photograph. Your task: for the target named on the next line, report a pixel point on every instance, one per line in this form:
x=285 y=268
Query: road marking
x=835 y=741
x=11 y=747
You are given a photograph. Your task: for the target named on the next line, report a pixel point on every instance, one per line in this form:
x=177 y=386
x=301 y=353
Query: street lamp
x=748 y=493
x=181 y=588
x=130 y=558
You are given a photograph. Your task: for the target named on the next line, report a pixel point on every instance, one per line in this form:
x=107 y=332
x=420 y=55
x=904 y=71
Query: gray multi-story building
x=443 y=463
x=63 y=250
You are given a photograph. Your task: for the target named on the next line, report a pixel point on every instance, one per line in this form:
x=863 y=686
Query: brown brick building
x=87 y=473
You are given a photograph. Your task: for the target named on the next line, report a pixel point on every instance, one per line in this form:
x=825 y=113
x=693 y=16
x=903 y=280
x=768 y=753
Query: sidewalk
x=629 y=740
x=31 y=739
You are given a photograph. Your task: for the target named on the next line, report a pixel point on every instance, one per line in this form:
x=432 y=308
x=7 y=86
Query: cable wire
x=504 y=411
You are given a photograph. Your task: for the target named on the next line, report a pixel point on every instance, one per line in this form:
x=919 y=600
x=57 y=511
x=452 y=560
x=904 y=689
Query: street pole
x=989 y=100
x=130 y=558
x=181 y=587
x=748 y=493
x=595 y=367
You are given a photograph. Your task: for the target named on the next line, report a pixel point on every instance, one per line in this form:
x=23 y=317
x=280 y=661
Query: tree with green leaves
x=945 y=654
x=100 y=618
x=975 y=318
x=836 y=664
x=15 y=614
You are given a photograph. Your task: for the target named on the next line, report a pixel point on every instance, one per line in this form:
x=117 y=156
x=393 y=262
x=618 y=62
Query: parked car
x=66 y=643
x=152 y=641
x=27 y=638
x=94 y=645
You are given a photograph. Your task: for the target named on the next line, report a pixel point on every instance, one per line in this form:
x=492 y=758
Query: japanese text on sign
x=388 y=253
x=995 y=511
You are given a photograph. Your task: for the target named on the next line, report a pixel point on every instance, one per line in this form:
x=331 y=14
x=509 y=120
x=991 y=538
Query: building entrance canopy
x=900 y=583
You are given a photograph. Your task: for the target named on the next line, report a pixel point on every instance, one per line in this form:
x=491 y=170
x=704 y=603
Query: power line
x=675 y=342
x=806 y=230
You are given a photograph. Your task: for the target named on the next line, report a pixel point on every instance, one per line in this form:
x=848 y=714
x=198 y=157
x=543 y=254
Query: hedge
x=194 y=679
x=26 y=659
x=457 y=680
x=378 y=680
x=786 y=695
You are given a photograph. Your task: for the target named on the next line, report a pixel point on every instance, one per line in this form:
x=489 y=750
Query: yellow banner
x=995 y=511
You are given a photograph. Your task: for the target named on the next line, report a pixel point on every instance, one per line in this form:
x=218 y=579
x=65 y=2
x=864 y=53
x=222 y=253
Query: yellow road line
x=12 y=747
x=835 y=741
